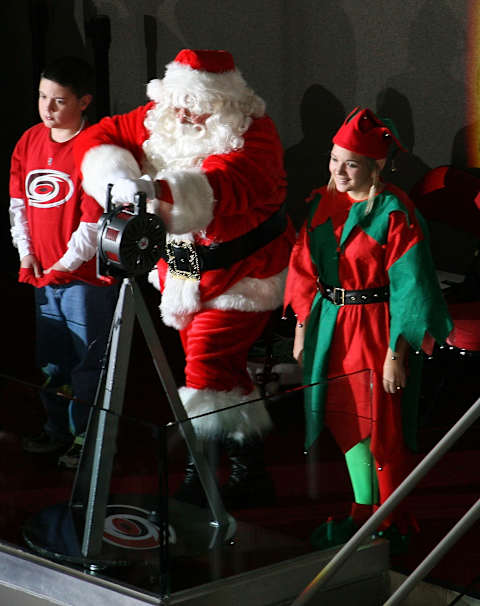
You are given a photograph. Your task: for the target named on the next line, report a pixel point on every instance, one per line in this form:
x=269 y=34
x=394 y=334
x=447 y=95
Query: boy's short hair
x=74 y=72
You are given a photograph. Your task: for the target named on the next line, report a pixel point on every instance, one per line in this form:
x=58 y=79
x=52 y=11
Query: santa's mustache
x=184 y=144
x=190 y=130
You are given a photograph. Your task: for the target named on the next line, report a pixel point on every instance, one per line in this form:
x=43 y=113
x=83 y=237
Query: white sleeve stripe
x=82 y=246
x=19 y=227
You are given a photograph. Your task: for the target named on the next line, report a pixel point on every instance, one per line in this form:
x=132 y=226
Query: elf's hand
x=299 y=342
x=394 y=372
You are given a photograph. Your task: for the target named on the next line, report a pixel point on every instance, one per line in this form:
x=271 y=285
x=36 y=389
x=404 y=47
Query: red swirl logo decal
x=128 y=527
x=48 y=188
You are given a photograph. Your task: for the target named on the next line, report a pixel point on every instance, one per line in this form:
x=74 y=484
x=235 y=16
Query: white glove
x=124 y=190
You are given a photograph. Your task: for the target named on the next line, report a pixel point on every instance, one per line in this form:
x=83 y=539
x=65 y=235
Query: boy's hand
x=56 y=267
x=31 y=262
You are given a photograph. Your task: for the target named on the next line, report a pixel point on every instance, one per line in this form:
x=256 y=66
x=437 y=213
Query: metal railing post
x=460 y=528
x=472 y=414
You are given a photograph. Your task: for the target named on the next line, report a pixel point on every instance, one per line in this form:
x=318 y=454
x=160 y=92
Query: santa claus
x=211 y=164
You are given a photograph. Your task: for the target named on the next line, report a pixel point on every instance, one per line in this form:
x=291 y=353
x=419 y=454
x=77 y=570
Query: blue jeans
x=72 y=324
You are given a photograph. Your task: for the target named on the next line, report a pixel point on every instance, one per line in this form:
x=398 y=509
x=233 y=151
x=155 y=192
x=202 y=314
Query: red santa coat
x=229 y=195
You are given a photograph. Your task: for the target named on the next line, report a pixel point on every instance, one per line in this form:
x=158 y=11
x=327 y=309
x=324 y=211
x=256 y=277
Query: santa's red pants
x=216 y=345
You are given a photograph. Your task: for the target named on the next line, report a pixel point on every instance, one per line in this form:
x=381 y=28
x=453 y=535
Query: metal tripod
x=92 y=482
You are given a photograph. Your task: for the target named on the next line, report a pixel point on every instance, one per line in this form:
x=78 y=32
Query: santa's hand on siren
x=124 y=190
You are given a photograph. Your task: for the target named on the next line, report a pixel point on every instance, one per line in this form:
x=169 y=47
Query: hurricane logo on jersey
x=48 y=188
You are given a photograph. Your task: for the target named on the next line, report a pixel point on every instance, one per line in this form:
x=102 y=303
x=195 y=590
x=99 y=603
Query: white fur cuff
x=104 y=164
x=239 y=423
x=193 y=200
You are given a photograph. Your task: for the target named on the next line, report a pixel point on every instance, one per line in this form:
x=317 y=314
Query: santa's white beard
x=173 y=144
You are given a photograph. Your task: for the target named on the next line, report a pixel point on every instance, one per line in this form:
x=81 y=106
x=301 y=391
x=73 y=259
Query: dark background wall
x=311 y=60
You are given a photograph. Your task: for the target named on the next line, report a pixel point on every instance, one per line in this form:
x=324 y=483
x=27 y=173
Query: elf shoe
x=336 y=532
x=399 y=529
x=399 y=542
x=332 y=533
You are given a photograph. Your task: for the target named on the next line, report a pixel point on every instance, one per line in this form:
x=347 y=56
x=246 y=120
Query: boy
x=54 y=228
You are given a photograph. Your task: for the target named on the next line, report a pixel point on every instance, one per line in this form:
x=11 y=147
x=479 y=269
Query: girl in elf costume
x=363 y=286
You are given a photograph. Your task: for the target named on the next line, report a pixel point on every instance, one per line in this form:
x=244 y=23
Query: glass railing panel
x=29 y=480
x=103 y=516
x=289 y=492
x=135 y=487
x=273 y=493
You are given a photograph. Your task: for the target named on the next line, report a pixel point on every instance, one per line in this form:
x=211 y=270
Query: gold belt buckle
x=182 y=260
x=342 y=296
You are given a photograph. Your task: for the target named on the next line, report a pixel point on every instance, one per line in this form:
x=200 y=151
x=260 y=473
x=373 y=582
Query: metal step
x=364 y=581
x=28 y=580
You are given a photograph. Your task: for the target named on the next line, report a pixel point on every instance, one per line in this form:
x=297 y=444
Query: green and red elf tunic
x=342 y=246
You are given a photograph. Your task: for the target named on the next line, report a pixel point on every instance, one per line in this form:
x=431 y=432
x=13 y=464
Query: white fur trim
x=153 y=278
x=180 y=300
x=193 y=200
x=184 y=86
x=252 y=294
x=104 y=164
x=239 y=423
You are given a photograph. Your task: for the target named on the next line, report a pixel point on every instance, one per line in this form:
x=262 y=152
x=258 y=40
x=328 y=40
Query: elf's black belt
x=188 y=260
x=340 y=296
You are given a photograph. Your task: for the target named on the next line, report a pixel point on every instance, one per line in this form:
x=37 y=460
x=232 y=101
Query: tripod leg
x=92 y=481
x=206 y=476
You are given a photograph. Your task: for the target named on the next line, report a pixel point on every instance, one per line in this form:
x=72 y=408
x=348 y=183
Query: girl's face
x=351 y=172
x=59 y=107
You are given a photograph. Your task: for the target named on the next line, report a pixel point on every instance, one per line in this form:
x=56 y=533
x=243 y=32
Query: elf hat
x=203 y=80
x=364 y=133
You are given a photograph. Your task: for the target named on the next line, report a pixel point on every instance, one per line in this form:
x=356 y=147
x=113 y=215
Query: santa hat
x=203 y=80
x=210 y=61
x=364 y=133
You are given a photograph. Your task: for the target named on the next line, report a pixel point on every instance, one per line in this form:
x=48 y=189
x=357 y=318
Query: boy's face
x=59 y=107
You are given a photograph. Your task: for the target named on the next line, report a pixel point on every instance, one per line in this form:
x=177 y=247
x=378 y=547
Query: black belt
x=188 y=260
x=340 y=296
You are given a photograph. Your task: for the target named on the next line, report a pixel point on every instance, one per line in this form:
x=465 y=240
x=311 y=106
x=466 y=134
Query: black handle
x=108 y=205
x=140 y=203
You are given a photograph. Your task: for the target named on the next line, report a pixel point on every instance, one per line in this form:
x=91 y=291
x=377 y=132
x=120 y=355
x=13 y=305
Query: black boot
x=249 y=484
x=191 y=490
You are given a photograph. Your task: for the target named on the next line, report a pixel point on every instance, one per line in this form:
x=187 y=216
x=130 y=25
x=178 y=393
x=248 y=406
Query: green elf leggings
x=361 y=468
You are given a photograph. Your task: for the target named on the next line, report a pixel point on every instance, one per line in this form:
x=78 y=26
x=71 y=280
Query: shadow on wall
x=407 y=168
x=306 y=162
x=433 y=82
x=435 y=49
